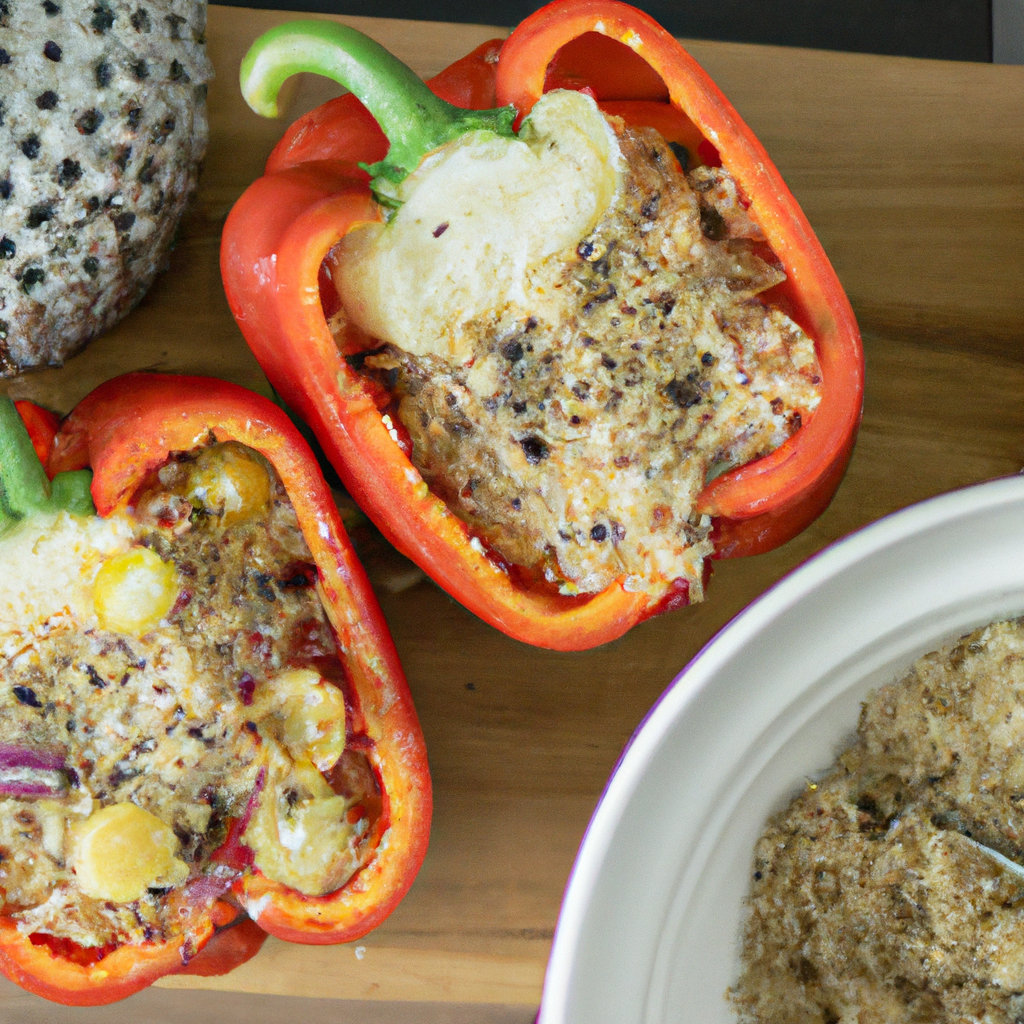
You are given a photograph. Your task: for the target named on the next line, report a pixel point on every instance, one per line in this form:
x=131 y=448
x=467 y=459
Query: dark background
x=943 y=29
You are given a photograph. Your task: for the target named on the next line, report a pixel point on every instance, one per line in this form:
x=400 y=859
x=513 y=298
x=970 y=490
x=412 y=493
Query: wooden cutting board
x=912 y=172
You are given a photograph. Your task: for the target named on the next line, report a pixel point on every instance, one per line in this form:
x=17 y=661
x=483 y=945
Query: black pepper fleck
x=5 y=57
x=103 y=74
x=95 y=678
x=178 y=72
x=124 y=221
x=534 y=448
x=31 y=277
x=512 y=350
x=89 y=122
x=31 y=146
x=26 y=695
x=649 y=209
x=46 y=100
x=140 y=20
x=263 y=581
x=91 y=265
x=440 y=230
x=52 y=9
x=140 y=69
x=39 y=214
x=8 y=249
x=712 y=224
x=683 y=393
x=599 y=533
x=51 y=50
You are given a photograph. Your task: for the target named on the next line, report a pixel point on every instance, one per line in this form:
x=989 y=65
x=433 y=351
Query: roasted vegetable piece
x=426 y=386
x=205 y=733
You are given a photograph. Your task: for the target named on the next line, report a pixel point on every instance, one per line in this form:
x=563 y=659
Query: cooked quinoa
x=871 y=902
x=575 y=437
x=102 y=132
x=189 y=721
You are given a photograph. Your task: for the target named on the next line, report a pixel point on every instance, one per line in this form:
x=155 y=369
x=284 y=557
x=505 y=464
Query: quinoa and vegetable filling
x=172 y=699
x=572 y=427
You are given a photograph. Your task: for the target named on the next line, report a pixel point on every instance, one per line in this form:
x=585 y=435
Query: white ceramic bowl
x=650 y=922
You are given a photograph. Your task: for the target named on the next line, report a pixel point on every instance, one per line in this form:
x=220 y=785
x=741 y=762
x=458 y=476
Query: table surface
x=912 y=173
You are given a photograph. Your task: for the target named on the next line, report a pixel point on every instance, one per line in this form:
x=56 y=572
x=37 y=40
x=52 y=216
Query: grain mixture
x=573 y=431
x=872 y=901
x=230 y=706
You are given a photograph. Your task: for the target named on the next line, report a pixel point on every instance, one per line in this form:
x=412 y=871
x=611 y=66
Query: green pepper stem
x=23 y=482
x=414 y=120
x=72 y=492
x=24 y=487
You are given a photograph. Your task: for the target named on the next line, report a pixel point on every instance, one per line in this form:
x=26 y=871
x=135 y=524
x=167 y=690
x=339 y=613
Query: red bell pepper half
x=315 y=190
x=123 y=432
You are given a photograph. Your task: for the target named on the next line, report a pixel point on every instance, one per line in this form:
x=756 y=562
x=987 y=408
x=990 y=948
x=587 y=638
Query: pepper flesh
x=290 y=219
x=124 y=431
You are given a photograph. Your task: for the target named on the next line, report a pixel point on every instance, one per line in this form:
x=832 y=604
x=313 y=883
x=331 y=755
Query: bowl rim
x=625 y=777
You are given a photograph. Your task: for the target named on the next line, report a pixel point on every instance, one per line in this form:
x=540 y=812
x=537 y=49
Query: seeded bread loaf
x=102 y=131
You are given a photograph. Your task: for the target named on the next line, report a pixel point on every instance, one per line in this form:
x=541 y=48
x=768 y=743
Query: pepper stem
x=24 y=487
x=414 y=120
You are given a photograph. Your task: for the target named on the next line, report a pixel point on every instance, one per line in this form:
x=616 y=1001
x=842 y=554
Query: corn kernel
x=231 y=482
x=122 y=850
x=310 y=850
x=134 y=590
x=311 y=716
x=308 y=843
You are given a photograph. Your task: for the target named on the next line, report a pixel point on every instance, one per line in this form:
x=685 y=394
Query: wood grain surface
x=912 y=173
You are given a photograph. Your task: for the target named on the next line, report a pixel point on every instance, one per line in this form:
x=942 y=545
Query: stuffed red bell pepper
x=563 y=351
x=205 y=733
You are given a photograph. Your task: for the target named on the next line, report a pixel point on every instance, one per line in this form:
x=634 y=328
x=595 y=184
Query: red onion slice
x=32 y=772
x=233 y=851
x=12 y=756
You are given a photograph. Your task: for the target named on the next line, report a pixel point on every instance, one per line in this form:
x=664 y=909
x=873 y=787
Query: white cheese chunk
x=49 y=565
x=478 y=218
